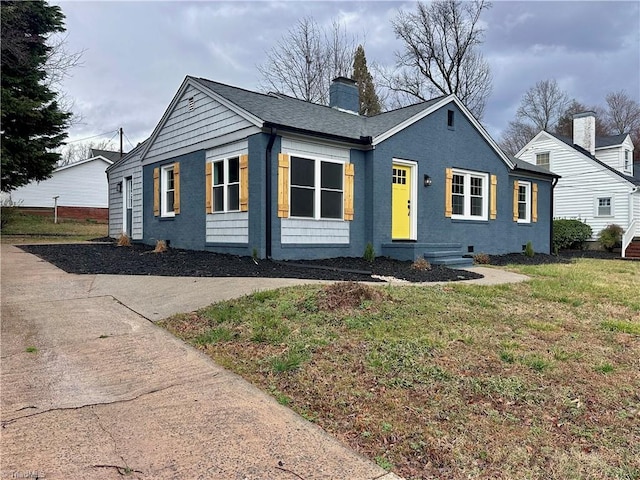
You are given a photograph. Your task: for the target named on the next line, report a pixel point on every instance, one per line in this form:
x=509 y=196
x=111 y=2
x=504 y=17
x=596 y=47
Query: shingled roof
x=283 y=110
x=586 y=153
x=108 y=154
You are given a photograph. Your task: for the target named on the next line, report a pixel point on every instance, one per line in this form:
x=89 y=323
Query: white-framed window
x=469 y=195
x=627 y=160
x=316 y=188
x=604 y=207
x=226 y=185
x=524 y=202
x=542 y=160
x=167 y=186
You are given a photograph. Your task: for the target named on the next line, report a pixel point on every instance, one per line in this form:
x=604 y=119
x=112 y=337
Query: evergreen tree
x=369 y=101
x=33 y=124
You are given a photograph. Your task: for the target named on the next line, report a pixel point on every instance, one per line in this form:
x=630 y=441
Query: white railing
x=629 y=235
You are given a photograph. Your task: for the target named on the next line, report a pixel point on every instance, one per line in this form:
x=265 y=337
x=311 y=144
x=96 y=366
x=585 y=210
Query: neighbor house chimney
x=343 y=95
x=584 y=131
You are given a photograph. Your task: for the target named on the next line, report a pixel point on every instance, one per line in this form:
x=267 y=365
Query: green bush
x=369 y=253
x=528 y=250
x=570 y=234
x=611 y=236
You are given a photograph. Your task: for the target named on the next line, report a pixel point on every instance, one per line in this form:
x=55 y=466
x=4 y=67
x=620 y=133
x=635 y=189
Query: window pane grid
x=226 y=185
x=542 y=160
x=316 y=188
x=468 y=196
x=168 y=191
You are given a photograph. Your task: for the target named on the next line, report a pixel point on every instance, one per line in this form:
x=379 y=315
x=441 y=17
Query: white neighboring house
x=597 y=184
x=80 y=185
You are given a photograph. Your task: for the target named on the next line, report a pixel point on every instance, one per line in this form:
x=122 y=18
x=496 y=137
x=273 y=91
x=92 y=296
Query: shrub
x=481 y=259
x=570 y=234
x=421 y=264
x=528 y=250
x=611 y=236
x=124 y=240
x=369 y=253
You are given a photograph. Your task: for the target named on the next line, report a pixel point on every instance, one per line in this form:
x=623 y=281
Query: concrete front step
x=452 y=262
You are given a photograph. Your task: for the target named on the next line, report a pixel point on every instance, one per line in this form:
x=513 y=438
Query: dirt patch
x=348 y=295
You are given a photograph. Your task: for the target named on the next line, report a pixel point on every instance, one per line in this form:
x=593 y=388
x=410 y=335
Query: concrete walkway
x=91 y=389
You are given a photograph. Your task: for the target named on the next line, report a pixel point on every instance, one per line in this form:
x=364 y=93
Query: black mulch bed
x=107 y=258
x=565 y=256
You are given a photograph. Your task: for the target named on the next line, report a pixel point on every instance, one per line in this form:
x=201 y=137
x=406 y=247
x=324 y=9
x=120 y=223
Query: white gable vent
x=192 y=103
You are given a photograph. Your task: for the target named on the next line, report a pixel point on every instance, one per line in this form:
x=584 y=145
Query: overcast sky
x=136 y=54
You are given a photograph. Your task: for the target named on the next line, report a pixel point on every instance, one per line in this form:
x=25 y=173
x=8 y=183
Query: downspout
x=554 y=182
x=268 y=202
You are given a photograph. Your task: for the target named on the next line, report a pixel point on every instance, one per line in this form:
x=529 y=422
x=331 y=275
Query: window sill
x=469 y=219
x=312 y=219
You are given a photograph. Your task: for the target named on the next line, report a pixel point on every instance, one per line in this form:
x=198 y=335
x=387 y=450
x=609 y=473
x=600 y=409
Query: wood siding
x=185 y=128
x=583 y=182
x=81 y=185
x=303 y=231
x=316 y=150
x=310 y=231
x=130 y=168
x=232 y=227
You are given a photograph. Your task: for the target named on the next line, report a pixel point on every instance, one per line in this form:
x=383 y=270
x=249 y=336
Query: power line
x=125 y=136
x=94 y=136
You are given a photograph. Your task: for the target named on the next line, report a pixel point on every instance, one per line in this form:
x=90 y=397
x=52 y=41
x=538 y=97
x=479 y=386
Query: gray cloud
x=138 y=53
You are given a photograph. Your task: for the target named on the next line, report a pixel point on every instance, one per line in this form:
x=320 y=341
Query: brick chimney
x=343 y=95
x=584 y=131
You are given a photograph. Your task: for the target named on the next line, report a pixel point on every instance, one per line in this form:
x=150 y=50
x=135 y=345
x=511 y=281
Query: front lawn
x=25 y=228
x=532 y=380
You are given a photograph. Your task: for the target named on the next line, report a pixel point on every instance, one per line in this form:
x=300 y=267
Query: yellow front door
x=401 y=202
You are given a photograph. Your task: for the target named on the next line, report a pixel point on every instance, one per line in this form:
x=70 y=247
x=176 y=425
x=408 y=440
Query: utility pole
x=121 y=133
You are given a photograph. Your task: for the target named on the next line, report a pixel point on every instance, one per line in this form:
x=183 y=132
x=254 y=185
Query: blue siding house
x=235 y=171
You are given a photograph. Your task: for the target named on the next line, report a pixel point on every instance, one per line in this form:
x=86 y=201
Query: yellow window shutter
x=448 y=181
x=283 y=185
x=244 y=183
x=208 y=185
x=349 y=174
x=494 y=195
x=515 y=200
x=176 y=188
x=534 y=203
x=156 y=192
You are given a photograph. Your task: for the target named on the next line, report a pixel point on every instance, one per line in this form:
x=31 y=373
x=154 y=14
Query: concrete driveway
x=92 y=389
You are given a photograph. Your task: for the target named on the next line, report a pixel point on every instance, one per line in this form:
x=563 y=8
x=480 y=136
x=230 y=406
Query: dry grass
x=539 y=380
x=161 y=247
x=124 y=240
x=25 y=228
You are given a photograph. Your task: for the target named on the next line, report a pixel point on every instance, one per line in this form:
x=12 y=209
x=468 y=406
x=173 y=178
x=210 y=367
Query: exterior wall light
x=119 y=187
x=427 y=180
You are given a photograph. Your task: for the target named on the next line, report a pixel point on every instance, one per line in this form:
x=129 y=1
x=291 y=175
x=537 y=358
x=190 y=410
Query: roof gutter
x=554 y=182
x=268 y=201
x=362 y=140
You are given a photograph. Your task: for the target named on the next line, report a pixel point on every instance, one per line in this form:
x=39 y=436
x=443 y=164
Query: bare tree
x=440 y=54
x=517 y=135
x=306 y=59
x=543 y=105
x=76 y=152
x=564 y=126
x=622 y=114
